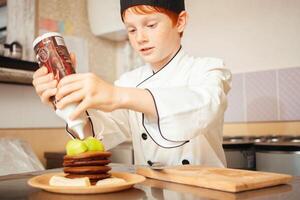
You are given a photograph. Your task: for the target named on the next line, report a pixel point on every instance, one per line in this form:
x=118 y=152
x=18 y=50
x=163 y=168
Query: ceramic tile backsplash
x=289 y=94
x=265 y=96
x=236 y=101
x=261 y=96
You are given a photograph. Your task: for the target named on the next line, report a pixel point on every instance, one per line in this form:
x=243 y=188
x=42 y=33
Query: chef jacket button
x=185 y=162
x=144 y=136
x=150 y=162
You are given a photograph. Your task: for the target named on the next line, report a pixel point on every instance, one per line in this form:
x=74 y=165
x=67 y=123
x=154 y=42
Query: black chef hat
x=173 y=5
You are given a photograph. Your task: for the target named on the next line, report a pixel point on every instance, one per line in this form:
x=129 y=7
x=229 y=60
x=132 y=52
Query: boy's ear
x=182 y=21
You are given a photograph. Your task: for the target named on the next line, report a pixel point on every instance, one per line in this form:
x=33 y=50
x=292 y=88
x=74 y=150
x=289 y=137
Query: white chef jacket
x=190 y=101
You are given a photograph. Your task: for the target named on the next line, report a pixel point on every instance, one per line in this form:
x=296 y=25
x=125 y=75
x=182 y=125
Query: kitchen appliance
x=279 y=154
x=2 y=49
x=13 y=50
x=239 y=152
x=272 y=153
x=230 y=180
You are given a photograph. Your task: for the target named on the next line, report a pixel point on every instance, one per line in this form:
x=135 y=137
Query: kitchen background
x=258 y=40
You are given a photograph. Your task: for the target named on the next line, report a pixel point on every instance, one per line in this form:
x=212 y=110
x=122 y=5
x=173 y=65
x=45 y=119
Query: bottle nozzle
x=79 y=130
x=76 y=125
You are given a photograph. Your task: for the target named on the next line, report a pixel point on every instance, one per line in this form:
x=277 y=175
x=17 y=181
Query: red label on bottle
x=52 y=53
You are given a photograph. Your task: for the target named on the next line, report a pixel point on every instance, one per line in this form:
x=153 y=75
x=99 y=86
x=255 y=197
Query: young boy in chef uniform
x=172 y=108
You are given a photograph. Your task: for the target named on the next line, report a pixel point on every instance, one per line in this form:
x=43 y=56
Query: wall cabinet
x=105 y=20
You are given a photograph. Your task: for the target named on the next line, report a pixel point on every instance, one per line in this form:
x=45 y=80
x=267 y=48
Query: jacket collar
x=164 y=70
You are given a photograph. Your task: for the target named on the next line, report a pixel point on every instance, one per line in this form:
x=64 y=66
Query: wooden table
x=15 y=187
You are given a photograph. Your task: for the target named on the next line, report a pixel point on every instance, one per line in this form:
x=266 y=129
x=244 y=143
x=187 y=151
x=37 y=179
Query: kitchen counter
x=15 y=187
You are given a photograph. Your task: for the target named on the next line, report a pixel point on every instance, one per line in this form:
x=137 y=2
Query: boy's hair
x=146 y=9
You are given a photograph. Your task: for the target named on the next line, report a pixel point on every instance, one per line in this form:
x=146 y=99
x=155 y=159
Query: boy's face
x=153 y=36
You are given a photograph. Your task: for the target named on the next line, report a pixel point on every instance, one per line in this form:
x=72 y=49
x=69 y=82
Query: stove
x=273 y=153
x=280 y=154
x=292 y=139
x=263 y=139
x=239 y=152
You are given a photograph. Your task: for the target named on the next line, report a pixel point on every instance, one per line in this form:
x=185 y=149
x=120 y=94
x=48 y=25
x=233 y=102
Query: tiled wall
x=265 y=96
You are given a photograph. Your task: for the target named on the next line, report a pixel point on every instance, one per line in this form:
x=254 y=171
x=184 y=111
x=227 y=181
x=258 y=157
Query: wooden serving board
x=224 y=179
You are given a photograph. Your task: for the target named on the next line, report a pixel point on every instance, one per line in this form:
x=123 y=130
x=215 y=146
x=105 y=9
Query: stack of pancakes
x=91 y=164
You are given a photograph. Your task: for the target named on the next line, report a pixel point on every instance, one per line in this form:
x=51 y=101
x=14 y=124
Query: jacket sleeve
x=112 y=128
x=184 y=112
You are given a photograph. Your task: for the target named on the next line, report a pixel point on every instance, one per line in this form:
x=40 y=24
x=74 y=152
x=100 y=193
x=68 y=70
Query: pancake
x=87 y=170
x=92 y=177
x=91 y=155
x=91 y=164
x=75 y=163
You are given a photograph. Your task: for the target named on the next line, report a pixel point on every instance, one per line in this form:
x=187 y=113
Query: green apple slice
x=75 y=147
x=94 y=144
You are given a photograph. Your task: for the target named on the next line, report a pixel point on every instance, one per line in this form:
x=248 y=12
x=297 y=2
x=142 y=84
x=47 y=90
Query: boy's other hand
x=44 y=84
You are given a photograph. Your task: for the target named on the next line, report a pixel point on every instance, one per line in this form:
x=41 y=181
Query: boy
x=172 y=108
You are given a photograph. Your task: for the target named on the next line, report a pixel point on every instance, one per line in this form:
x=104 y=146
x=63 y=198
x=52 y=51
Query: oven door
x=239 y=155
x=287 y=162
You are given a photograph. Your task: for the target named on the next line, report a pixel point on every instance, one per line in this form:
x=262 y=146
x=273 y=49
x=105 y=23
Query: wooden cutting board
x=224 y=179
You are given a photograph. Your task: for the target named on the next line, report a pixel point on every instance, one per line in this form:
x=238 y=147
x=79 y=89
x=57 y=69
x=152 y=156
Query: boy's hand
x=89 y=91
x=44 y=84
